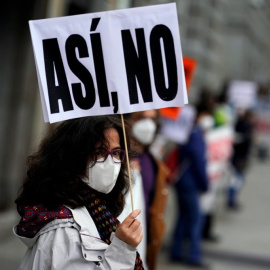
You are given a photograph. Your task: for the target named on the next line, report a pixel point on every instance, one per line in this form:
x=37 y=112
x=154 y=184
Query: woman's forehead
x=112 y=138
x=144 y=114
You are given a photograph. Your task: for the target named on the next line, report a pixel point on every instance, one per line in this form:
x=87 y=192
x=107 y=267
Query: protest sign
x=242 y=94
x=219 y=145
x=118 y=61
x=189 y=67
x=178 y=131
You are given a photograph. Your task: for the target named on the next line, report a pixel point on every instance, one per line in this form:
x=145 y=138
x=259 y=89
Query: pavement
x=244 y=235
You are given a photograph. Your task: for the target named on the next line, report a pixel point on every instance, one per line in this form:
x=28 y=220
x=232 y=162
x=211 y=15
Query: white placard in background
x=178 y=131
x=242 y=94
x=118 y=61
x=219 y=144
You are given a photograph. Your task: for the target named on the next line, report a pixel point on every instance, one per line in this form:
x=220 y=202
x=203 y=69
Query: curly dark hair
x=54 y=171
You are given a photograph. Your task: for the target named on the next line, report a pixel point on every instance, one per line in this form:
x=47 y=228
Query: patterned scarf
x=106 y=223
x=34 y=218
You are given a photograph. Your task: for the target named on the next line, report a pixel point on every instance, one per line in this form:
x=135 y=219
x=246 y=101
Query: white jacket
x=75 y=244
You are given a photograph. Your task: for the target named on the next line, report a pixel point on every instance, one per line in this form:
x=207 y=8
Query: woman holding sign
x=71 y=196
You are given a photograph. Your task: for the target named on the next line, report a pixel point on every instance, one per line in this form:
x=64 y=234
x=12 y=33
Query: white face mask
x=206 y=122
x=144 y=130
x=103 y=176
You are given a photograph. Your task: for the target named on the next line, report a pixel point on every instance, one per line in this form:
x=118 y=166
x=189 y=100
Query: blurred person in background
x=208 y=199
x=208 y=109
x=262 y=122
x=154 y=174
x=72 y=194
x=221 y=115
x=192 y=182
x=222 y=111
x=244 y=127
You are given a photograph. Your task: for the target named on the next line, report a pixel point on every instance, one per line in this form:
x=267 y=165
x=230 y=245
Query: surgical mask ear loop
x=127 y=157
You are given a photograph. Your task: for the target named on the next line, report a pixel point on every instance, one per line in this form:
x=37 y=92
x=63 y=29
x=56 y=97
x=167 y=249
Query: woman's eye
x=116 y=153
x=99 y=154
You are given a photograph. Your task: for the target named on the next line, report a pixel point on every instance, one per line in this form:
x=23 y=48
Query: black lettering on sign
x=161 y=33
x=137 y=66
x=86 y=102
x=94 y=24
x=99 y=65
x=115 y=101
x=54 y=65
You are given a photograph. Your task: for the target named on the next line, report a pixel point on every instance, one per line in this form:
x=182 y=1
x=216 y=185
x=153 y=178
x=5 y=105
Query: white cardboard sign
x=243 y=94
x=219 y=143
x=118 y=61
x=178 y=131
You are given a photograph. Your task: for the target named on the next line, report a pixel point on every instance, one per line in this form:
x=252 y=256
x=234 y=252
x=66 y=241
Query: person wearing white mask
x=72 y=193
x=206 y=122
x=144 y=130
x=154 y=174
x=191 y=183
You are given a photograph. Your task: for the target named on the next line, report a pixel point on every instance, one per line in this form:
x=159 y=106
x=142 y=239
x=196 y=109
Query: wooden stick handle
x=128 y=165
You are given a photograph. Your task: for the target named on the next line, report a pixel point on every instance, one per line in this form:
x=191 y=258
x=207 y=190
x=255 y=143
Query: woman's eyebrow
x=117 y=147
